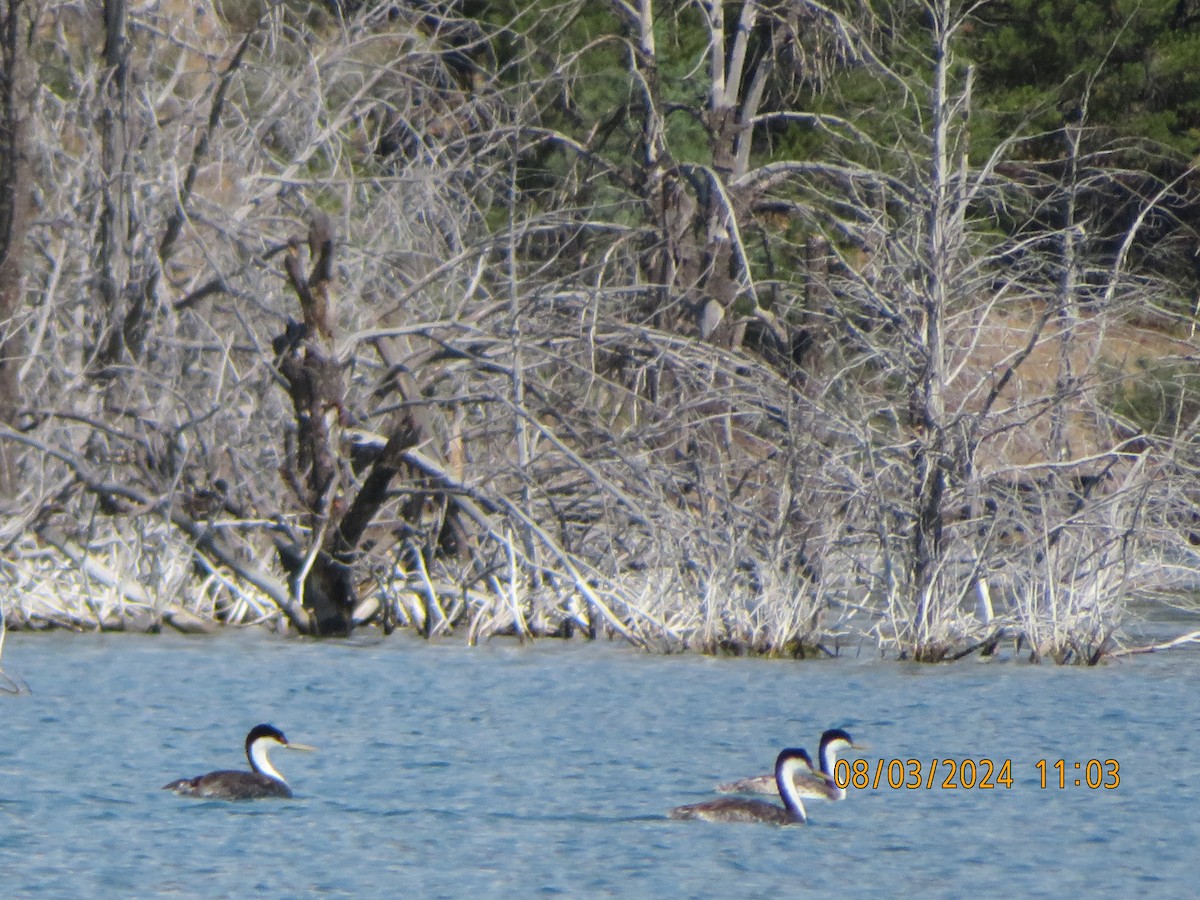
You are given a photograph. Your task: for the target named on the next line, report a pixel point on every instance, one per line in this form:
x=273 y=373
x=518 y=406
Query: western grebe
x=739 y=809
x=263 y=781
x=820 y=785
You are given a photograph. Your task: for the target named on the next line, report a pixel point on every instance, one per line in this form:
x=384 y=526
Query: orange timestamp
x=1089 y=773
x=915 y=774
x=966 y=774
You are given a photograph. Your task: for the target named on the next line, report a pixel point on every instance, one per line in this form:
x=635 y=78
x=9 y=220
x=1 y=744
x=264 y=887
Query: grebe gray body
x=263 y=781
x=820 y=784
x=739 y=809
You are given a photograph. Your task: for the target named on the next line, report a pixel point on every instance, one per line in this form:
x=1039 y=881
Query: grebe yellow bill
x=739 y=809
x=819 y=785
x=263 y=781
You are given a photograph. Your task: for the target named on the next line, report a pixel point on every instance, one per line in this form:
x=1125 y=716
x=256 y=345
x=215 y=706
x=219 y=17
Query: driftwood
x=125 y=498
x=144 y=612
x=1192 y=637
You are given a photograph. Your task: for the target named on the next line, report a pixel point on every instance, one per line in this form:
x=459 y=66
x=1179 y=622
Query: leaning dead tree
x=16 y=89
x=341 y=496
x=320 y=574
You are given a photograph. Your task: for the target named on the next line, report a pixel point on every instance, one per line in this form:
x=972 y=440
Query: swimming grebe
x=263 y=781
x=739 y=809
x=809 y=785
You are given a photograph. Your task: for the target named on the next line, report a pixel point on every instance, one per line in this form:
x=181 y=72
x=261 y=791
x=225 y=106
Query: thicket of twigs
x=307 y=340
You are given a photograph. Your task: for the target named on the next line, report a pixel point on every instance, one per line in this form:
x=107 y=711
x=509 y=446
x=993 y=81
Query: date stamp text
x=974 y=774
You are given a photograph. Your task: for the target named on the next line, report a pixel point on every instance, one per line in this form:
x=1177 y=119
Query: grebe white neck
x=789 y=763
x=260 y=762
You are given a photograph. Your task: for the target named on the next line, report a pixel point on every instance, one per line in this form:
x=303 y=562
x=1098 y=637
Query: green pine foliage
x=1136 y=63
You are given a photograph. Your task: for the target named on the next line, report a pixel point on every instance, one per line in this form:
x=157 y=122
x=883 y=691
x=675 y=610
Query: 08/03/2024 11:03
x=982 y=774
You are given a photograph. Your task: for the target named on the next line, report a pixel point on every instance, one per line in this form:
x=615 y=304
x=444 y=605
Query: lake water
x=509 y=771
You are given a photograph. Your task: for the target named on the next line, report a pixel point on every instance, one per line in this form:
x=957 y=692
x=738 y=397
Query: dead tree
x=14 y=208
x=318 y=574
x=319 y=473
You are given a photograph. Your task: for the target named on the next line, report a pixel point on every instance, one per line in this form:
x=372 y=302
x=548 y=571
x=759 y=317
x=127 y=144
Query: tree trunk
x=15 y=87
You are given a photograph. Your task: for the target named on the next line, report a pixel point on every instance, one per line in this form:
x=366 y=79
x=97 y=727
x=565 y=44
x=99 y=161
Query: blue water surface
x=547 y=769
